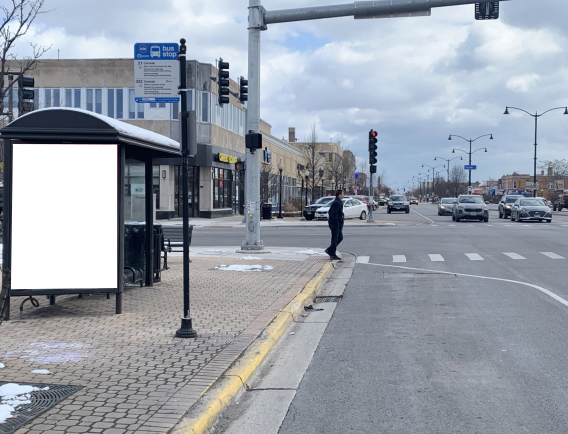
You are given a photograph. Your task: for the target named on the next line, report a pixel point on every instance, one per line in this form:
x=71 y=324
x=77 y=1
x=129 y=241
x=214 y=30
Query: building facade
x=106 y=86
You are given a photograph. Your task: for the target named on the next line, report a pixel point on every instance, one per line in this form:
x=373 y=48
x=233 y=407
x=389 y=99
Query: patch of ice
x=13 y=395
x=41 y=371
x=244 y=268
x=2 y=365
x=251 y=258
x=390 y=224
x=306 y=252
x=215 y=251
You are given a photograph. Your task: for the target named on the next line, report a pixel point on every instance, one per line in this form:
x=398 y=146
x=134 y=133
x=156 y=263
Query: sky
x=413 y=80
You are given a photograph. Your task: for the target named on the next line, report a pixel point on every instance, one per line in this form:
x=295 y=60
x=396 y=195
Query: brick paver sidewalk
x=136 y=376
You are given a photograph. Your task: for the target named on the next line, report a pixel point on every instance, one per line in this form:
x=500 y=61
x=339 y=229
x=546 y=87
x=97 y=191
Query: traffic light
x=25 y=96
x=243 y=90
x=223 y=82
x=487 y=10
x=373 y=151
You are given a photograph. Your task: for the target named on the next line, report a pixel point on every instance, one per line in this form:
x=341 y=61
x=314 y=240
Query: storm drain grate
x=41 y=400
x=331 y=299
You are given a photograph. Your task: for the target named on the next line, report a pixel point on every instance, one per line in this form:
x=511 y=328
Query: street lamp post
x=306 y=175
x=448 y=162
x=427 y=175
x=301 y=175
x=535 y=116
x=469 y=153
x=433 y=174
x=419 y=186
x=280 y=169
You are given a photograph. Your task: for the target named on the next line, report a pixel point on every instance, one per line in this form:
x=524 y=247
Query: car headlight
x=442 y=206
x=508 y=207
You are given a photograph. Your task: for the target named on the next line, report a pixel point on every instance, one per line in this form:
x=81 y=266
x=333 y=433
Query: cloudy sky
x=414 y=80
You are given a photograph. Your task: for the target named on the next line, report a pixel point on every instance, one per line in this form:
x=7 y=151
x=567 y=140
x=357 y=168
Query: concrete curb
x=236 y=377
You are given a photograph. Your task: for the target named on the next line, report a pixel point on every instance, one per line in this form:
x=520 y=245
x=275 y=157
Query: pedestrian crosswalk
x=436 y=257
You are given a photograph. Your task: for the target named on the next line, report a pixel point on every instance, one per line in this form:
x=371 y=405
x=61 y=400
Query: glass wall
x=193 y=191
x=222 y=188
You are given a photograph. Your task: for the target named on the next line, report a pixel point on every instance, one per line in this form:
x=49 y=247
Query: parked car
x=310 y=210
x=561 y=202
x=531 y=208
x=398 y=203
x=506 y=203
x=364 y=199
x=470 y=206
x=382 y=201
x=413 y=201
x=446 y=205
x=352 y=208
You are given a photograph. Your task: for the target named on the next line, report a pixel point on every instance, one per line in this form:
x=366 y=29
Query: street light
x=301 y=175
x=307 y=175
x=433 y=175
x=427 y=175
x=470 y=152
x=280 y=168
x=535 y=116
x=448 y=161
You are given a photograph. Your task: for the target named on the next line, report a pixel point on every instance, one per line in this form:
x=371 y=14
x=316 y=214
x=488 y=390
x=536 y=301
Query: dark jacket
x=335 y=213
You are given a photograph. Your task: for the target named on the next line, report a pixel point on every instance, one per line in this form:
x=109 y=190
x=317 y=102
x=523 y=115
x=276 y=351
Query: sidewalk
x=135 y=377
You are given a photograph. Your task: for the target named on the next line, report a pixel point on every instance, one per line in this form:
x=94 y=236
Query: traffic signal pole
x=259 y=19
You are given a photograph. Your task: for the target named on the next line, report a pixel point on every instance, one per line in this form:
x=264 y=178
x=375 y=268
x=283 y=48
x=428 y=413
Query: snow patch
x=41 y=371
x=13 y=395
x=2 y=365
x=251 y=258
x=244 y=268
x=304 y=252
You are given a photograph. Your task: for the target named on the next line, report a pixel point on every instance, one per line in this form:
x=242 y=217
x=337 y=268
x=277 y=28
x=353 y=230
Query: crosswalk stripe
x=474 y=256
x=362 y=259
x=514 y=255
x=552 y=255
x=398 y=258
x=436 y=258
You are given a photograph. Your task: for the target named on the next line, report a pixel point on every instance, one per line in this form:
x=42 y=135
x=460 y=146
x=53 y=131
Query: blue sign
x=356 y=175
x=468 y=167
x=156 y=51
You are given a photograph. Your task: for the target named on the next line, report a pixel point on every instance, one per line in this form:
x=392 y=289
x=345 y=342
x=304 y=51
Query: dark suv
x=506 y=203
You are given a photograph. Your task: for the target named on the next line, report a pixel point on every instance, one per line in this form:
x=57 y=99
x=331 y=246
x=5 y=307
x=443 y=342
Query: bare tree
x=18 y=16
x=268 y=182
x=457 y=184
x=314 y=161
x=558 y=169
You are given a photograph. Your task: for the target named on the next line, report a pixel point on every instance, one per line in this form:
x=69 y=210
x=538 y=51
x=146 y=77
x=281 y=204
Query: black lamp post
x=427 y=175
x=535 y=116
x=321 y=173
x=448 y=162
x=433 y=176
x=469 y=153
x=280 y=168
x=306 y=175
x=301 y=175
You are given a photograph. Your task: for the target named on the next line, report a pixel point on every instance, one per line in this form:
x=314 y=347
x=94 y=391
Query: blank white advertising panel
x=64 y=216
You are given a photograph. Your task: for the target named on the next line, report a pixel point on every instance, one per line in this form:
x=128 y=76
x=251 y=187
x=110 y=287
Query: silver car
x=530 y=208
x=446 y=205
x=470 y=206
x=398 y=203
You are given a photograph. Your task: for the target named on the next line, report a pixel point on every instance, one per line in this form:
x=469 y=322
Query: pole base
x=371 y=221
x=186 y=329
x=279 y=216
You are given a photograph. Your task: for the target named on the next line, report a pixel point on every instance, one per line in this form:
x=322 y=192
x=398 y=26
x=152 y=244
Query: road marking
x=430 y=220
x=489 y=226
x=398 y=258
x=362 y=259
x=436 y=257
x=433 y=225
x=451 y=226
x=514 y=255
x=474 y=257
x=530 y=285
x=552 y=255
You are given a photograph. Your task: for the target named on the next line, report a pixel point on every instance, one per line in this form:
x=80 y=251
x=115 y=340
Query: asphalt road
x=444 y=328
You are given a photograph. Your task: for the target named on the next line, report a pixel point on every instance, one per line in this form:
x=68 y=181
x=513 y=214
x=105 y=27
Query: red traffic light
x=373 y=133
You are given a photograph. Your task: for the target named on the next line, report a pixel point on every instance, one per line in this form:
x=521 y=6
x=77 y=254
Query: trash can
x=158 y=246
x=267 y=211
x=135 y=247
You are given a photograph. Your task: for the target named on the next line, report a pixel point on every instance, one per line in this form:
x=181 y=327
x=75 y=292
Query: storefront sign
x=226 y=158
x=559 y=184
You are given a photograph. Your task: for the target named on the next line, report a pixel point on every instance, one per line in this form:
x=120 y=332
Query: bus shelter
x=64 y=202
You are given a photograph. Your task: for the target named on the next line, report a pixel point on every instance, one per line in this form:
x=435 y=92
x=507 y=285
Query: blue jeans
x=336 y=238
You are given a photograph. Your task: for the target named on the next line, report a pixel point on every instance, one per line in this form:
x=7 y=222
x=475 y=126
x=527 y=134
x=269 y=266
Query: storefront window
x=222 y=188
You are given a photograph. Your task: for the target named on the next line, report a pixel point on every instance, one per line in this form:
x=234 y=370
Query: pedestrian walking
x=335 y=222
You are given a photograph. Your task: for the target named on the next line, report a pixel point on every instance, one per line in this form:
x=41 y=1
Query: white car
x=352 y=208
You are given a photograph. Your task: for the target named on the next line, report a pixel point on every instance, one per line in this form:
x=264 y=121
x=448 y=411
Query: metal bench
x=173 y=240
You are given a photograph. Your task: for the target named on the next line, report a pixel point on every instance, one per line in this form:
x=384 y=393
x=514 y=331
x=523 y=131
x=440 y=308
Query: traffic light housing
x=223 y=82
x=25 y=96
x=373 y=151
x=487 y=10
x=243 y=90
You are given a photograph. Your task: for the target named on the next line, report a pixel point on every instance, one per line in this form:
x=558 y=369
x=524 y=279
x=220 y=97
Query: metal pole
x=535 y=141
x=186 y=329
x=280 y=204
x=469 y=182
x=11 y=98
x=301 y=197
x=306 y=189
x=252 y=178
x=370 y=215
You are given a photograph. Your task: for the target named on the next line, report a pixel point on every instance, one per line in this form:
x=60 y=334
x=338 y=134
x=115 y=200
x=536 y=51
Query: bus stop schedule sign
x=156 y=72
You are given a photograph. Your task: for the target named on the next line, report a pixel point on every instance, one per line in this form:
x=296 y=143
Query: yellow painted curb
x=233 y=379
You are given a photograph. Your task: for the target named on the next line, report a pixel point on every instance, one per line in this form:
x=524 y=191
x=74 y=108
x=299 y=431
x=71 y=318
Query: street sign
x=156 y=72
x=468 y=167
x=356 y=175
